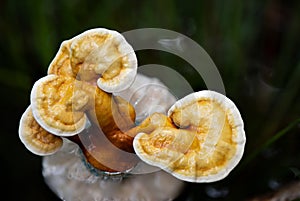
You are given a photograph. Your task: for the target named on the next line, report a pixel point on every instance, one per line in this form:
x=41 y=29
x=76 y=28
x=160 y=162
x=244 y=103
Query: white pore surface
x=68 y=177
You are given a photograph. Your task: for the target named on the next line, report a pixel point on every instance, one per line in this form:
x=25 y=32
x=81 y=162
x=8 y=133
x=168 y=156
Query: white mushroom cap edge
x=234 y=118
x=127 y=75
x=26 y=136
x=80 y=126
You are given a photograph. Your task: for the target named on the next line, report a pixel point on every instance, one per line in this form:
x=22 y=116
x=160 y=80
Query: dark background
x=254 y=44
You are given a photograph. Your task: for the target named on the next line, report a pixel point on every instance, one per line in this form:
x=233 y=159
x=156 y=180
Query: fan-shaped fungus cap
x=106 y=53
x=57 y=106
x=206 y=145
x=35 y=138
x=97 y=55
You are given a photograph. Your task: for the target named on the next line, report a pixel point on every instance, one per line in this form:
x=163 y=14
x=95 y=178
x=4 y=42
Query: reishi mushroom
x=57 y=106
x=35 y=138
x=201 y=139
x=62 y=100
x=99 y=56
x=66 y=107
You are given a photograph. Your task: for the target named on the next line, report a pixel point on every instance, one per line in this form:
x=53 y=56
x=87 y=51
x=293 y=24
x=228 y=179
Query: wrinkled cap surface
x=57 y=104
x=207 y=143
x=35 y=138
x=61 y=65
x=99 y=56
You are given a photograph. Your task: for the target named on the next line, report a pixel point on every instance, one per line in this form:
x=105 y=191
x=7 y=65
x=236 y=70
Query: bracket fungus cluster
x=200 y=138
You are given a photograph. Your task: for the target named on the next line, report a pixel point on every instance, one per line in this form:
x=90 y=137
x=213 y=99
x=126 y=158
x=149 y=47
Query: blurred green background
x=254 y=44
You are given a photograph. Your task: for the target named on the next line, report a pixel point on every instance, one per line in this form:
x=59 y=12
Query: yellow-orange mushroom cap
x=61 y=64
x=56 y=103
x=100 y=56
x=206 y=145
x=35 y=138
x=106 y=53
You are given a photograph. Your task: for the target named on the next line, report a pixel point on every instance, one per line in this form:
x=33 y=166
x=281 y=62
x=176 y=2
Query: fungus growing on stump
x=200 y=139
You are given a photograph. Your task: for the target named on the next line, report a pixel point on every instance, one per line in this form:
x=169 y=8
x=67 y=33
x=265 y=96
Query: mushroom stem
x=114 y=116
x=111 y=117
